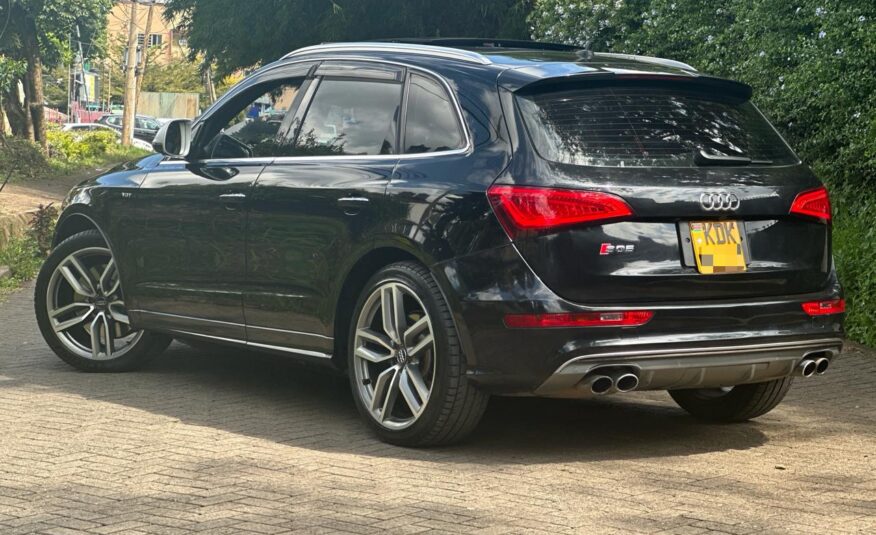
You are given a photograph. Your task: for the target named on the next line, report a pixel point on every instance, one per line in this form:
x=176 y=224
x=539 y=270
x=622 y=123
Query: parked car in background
x=446 y=223
x=145 y=127
x=97 y=127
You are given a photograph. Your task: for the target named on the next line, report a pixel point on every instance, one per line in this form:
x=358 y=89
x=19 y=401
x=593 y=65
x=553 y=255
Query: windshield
x=638 y=126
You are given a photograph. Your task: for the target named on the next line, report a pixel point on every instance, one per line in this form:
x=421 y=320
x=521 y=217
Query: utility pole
x=144 y=54
x=209 y=86
x=130 y=79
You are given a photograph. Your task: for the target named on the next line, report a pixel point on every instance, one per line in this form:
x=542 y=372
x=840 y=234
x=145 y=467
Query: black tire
x=455 y=406
x=141 y=351
x=741 y=403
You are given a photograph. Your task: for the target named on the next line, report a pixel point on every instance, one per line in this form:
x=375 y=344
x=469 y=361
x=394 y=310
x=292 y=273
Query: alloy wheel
x=86 y=308
x=394 y=355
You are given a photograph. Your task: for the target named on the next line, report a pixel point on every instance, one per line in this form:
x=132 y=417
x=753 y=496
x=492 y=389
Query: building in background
x=164 y=40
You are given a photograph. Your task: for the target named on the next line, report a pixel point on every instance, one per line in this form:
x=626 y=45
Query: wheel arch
x=357 y=276
x=363 y=269
x=73 y=223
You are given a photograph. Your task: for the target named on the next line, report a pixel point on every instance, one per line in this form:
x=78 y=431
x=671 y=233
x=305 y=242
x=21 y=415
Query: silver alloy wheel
x=85 y=306
x=394 y=355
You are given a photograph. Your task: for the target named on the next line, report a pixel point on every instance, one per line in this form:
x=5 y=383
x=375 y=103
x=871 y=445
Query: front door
x=188 y=241
x=188 y=238
x=314 y=213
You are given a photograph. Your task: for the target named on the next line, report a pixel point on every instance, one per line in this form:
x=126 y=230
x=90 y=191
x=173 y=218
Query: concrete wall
x=172 y=105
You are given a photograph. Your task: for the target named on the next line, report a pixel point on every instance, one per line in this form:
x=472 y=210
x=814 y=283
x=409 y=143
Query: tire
x=740 y=403
x=85 y=259
x=430 y=401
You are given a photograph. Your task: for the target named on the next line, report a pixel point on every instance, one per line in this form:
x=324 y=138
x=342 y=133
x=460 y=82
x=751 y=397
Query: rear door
x=313 y=213
x=696 y=165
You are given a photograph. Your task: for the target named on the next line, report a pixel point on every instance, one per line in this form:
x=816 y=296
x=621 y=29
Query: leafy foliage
x=25 y=254
x=75 y=148
x=72 y=150
x=22 y=255
x=42 y=227
x=241 y=34
x=21 y=157
x=56 y=21
x=811 y=63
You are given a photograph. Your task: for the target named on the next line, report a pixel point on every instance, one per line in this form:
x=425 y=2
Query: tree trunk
x=144 y=55
x=15 y=112
x=34 y=83
x=130 y=79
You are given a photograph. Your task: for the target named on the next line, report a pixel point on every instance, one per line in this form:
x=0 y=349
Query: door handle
x=352 y=205
x=231 y=200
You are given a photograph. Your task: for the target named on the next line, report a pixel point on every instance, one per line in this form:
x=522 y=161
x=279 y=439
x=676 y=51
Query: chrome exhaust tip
x=601 y=384
x=626 y=382
x=821 y=365
x=807 y=368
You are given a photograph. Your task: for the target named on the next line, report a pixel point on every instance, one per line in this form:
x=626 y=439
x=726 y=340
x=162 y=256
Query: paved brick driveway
x=225 y=443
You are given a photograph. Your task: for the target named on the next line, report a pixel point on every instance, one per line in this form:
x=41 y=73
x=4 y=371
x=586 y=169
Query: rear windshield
x=646 y=126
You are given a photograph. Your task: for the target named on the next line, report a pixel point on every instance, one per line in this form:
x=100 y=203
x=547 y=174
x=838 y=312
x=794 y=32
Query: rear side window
x=351 y=117
x=646 y=126
x=432 y=123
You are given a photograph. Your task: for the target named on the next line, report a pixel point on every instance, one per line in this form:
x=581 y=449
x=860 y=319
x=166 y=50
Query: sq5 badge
x=612 y=248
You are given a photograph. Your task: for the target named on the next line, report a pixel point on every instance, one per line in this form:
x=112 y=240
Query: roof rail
x=478 y=42
x=646 y=59
x=405 y=48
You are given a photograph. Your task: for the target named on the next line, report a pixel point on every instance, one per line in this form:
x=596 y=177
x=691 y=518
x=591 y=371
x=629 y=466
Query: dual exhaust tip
x=610 y=383
x=810 y=367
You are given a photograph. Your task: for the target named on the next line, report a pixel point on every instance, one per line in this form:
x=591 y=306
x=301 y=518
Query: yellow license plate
x=717 y=246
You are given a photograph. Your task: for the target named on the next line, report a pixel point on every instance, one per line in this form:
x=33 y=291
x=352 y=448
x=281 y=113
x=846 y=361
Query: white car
x=94 y=127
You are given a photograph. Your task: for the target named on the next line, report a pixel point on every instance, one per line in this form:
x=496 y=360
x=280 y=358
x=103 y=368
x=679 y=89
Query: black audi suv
x=454 y=219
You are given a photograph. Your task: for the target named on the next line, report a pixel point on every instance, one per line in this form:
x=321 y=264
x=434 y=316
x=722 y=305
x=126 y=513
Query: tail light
x=825 y=308
x=626 y=318
x=521 y=208
x=813 y=203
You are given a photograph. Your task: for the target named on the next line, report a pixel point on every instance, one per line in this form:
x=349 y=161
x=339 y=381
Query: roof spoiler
x=526 y=83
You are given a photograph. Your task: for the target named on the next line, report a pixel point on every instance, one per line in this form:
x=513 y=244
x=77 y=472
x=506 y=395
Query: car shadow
x=273 y=398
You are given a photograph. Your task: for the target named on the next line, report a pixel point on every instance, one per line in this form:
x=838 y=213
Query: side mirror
x=174 y=139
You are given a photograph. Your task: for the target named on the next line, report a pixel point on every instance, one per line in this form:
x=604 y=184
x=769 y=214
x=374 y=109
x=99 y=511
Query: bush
x=25 y=254
x=75 y=148
x=42 y=227
x=21 y=158
x=811 y=65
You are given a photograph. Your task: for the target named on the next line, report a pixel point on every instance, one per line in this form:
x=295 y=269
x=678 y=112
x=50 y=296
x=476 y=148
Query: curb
x=14 y=225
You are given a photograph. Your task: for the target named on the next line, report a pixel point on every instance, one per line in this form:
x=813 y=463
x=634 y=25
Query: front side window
x=432 y=124
x=350 y=117
x=259 y=126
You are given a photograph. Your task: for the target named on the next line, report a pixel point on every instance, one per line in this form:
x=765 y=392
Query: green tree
x=39 y=33
x=241 y=34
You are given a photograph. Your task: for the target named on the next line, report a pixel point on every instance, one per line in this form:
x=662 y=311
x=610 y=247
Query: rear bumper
x=691 y=366
x=687 y=344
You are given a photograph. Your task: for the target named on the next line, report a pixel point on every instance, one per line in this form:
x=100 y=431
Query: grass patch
x=24 y=255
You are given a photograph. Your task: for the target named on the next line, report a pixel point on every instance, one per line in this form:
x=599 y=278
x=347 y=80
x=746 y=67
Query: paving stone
x=232 y=442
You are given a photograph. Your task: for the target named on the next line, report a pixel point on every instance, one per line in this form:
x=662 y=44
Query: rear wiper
x=703 y=158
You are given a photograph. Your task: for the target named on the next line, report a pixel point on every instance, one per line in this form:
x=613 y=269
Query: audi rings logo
x=713 y=202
